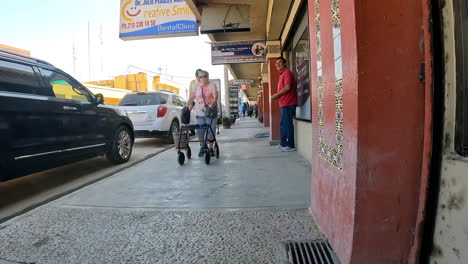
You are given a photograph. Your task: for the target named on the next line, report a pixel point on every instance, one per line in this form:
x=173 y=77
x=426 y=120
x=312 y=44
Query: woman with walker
x=205 y=96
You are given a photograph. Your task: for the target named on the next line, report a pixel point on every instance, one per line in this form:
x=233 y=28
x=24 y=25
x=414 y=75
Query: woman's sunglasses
x=203 y=76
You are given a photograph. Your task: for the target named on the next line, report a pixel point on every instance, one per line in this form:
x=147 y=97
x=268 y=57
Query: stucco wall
x=334 y=183
x=303 y=140
x=368 y=137
x=451 y=230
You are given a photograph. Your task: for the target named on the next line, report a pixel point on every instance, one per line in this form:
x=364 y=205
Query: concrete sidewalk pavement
x=241 y=208
x=22 y=194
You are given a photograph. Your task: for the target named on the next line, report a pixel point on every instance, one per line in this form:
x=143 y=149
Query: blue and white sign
x=142 y=19
x=238 y=52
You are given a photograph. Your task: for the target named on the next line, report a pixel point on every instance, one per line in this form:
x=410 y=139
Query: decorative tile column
x=368 y=125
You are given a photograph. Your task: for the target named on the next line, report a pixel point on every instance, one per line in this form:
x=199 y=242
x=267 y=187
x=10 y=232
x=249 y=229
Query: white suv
x=154 y=113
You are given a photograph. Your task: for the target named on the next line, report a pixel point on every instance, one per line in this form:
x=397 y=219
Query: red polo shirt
x=290 y=98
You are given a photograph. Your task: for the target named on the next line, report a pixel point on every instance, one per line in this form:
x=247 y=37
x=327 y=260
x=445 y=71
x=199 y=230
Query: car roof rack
x=23 y=56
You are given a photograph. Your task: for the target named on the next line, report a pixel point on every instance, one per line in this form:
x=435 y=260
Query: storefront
x=297 y=53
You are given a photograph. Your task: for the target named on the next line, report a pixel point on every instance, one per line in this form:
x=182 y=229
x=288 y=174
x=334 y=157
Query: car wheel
x=122 y=145
x=174 y=128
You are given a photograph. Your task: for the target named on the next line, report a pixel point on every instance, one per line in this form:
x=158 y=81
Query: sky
x=52 y=29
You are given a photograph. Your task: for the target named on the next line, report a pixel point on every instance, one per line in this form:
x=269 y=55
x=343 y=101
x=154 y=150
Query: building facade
x=131 y=82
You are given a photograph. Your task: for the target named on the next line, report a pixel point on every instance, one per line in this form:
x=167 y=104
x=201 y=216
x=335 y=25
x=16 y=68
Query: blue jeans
x=205 y=121
x=286 y=126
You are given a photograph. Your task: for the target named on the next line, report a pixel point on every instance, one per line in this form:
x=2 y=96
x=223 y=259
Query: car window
x=164 y=98
x=64 y=87
x=18 y=78
x=182 y=102
x=176 y=100
x=141 y=99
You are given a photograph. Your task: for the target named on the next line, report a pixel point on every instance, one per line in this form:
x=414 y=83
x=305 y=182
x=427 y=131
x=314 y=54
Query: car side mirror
x=99 y=99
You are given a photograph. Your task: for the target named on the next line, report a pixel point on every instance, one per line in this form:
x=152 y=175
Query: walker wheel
x=181 y=158
x=189 y=152
x=207 y=158
x=216 y=150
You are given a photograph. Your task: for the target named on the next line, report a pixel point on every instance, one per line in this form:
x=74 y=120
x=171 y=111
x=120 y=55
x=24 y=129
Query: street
x=29 y=191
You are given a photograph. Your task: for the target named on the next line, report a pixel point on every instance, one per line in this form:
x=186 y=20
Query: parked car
x=154 y=113
x=48 y=119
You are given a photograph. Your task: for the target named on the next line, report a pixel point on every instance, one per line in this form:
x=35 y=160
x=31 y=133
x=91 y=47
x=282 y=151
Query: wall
x=302 y=131
x=133 y=82
x=138 y=82
x=275 y=111
x=451 y=229
x=368 y=126
x=109 y=83
x=333 y=184
x=160 y=84
x=266 y=104
x=391 y=129
x=112 y=96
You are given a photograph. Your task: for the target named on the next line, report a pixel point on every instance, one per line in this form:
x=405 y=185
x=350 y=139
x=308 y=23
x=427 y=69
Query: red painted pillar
x=260 y=107
x=369 y=143
x=266 y=104
x=275 y=112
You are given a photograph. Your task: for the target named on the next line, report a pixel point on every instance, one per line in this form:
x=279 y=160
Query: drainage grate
x=311 y=252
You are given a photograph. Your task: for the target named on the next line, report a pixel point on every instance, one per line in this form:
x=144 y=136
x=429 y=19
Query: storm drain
x=311 y=252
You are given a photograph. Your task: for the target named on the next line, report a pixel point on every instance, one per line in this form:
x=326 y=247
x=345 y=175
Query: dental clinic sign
x=142 y=19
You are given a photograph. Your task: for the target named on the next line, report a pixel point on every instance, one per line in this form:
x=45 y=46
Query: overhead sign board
x=240 y=82
x=143 y=19
x=238 y=52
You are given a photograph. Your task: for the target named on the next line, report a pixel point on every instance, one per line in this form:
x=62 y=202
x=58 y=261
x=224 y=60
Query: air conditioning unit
x=226 y=18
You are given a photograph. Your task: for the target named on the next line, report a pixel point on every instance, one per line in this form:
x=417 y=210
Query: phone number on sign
x=139 y=24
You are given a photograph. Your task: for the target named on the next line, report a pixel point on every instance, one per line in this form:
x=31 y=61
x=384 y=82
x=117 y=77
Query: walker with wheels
x=184 y=140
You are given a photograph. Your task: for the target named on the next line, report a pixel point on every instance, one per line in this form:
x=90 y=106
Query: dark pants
x=286 y=126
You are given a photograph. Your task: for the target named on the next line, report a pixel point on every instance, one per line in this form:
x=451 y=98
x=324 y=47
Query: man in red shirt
x=287 y=102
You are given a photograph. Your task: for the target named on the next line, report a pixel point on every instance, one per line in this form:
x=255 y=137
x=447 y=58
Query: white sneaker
x=288 y=149
x=279 y=146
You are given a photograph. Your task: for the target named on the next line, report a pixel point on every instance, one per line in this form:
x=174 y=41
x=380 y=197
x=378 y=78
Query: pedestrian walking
x=287 y=102
x=250 y=111
x=205 y=97
x=244 y=110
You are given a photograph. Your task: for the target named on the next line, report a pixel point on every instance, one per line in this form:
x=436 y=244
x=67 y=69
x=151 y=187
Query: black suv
x=48 y=119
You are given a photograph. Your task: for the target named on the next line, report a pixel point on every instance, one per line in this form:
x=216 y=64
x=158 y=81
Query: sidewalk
x=239 y=209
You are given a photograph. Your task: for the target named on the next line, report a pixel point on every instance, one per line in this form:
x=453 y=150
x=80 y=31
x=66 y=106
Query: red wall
x=428 y=137
x=275 y=111
x=266 y=104
x=333 y=190
x=368 y=209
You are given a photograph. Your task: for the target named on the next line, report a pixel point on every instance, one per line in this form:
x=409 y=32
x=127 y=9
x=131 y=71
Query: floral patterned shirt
x=209 y=92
